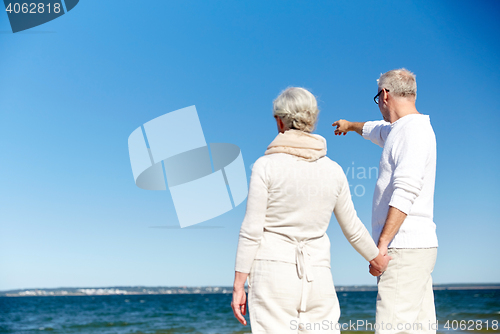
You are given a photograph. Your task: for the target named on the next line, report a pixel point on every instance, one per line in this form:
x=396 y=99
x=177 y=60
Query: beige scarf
x=305 y=145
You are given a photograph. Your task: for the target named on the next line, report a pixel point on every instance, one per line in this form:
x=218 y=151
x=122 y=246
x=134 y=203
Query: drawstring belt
x=303 y=269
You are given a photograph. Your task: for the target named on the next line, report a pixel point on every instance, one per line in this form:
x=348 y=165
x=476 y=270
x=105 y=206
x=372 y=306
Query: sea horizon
x=457 y=311
x=206 y=289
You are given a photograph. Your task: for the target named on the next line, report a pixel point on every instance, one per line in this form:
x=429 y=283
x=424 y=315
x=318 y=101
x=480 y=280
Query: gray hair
x=297 y=108
x=400 y=82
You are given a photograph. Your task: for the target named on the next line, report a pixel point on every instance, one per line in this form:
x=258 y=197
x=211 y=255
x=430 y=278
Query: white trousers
x=275 y=294
x=405 y=301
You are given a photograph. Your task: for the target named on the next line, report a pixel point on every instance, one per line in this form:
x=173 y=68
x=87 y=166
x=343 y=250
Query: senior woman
x=283 y=247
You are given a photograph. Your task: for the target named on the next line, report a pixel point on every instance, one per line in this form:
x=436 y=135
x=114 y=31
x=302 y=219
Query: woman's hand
x=239 y=304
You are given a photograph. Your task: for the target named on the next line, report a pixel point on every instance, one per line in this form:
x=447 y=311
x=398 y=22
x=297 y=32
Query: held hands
x=379 y=264
x=342 y=127
x=239 y=304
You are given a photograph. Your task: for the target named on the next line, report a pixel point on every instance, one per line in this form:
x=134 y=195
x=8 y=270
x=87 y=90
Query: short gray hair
x=400 y=82
x=297 y=108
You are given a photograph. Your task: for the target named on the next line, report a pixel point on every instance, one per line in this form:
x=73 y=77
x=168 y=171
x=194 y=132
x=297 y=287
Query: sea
x=458 y=311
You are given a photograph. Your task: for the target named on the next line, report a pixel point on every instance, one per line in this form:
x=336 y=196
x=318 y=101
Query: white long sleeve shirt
x=406 y=179
x=289 y=207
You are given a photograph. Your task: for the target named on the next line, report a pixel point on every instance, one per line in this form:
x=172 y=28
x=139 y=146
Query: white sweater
x=406 y=179
x=289 y=207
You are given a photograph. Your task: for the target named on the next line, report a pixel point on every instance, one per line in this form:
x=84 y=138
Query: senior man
x=402 y=216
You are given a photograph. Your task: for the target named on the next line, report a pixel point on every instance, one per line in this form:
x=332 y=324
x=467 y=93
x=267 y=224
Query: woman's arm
x=251 y=233
x=252 y=227
x=354 y=230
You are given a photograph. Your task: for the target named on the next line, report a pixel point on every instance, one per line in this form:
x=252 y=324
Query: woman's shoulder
x=261 y=163
x=278 y=156
x=331 y=163
x=285 y=159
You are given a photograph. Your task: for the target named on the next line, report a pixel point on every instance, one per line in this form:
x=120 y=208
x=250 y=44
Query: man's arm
x=344 y=127
x=376 y=131
x=395 y=219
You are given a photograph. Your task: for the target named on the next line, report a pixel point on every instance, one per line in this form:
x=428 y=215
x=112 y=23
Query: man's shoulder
x=414 y=127
x=416 y=120
x=414 y=136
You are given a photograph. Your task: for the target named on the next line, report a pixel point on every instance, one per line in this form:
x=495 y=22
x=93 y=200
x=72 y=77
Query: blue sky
x=72 y=91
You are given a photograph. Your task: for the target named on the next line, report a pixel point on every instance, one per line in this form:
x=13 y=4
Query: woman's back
x=290 y=204
x=302 y=194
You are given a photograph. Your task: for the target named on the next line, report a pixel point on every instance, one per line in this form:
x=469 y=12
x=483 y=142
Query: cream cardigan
x=290 y=202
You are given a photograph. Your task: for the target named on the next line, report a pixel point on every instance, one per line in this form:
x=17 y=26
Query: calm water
x=201 y=313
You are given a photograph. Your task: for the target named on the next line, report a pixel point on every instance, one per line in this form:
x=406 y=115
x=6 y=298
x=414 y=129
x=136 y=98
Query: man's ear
x=385 y=96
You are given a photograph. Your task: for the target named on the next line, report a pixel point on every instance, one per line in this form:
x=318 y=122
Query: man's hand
x=373 y=271
x=379 y=264
x=344 y=127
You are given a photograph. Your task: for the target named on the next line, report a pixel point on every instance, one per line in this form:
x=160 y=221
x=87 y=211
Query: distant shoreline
x=182 y=290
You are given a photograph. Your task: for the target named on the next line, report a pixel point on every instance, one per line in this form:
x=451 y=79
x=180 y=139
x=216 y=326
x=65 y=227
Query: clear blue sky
x=72 y=91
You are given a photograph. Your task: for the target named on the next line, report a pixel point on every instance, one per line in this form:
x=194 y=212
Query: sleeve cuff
x=400 y=201
x=373 y=254
x=367 y=129
x=242 y=270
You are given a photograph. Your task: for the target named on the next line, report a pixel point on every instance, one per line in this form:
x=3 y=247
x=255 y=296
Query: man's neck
x=403 y=110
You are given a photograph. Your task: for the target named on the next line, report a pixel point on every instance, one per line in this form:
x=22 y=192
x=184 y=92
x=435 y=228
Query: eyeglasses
x=376 y=98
